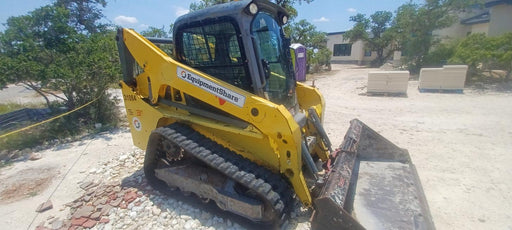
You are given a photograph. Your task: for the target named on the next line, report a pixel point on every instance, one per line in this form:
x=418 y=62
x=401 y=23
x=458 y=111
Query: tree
x=414 y=25
x=84 y=14
x=155 y=32
x=374 y=31
x=287 y=4
x=315 y=41
x=59 y=49
x=28 y=46
x=160 y=33
x=301 y=32
x=482 y=53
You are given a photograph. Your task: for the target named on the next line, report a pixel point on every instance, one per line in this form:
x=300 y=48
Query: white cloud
x=143 y=27
x=322 y=19
x=125 y=20
x=181 y=11
x=351 y=10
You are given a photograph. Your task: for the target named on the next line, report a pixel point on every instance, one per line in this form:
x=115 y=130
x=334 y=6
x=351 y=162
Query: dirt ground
x=460 y=144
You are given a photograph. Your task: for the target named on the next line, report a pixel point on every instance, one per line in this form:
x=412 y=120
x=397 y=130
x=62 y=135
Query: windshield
x=275 y=59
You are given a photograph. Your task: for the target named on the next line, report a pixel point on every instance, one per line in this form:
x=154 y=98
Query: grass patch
x=9 y=107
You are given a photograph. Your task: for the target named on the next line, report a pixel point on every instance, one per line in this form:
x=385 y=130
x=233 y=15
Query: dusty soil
x=460 y=144
x=25 y=183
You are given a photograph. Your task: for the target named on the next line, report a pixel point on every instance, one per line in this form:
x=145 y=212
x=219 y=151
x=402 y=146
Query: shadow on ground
x=160 y=196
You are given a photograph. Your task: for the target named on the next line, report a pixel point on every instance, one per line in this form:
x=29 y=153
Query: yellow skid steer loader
x=223 y=118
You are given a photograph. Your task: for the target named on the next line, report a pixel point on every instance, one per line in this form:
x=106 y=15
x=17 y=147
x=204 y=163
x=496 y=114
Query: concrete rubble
x=119 y=198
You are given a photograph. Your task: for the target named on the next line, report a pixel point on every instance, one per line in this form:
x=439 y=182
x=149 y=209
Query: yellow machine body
x=272 y=138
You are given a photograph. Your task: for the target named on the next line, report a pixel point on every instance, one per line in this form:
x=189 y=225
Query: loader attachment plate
x=371 y=184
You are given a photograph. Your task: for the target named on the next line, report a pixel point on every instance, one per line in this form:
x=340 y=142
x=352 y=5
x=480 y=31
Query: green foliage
x=9 y=107
x=206 y=3
x=160 y=33
x=440 y=54
x=374 y=31
x=28 y=139
x=306 y=34
x=155 y=32
x=484 y=54
x=414 y=24
x=63 y=48
x=287 y=4
x=84 y=14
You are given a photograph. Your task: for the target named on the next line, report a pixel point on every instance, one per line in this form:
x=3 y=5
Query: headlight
x=253 y=8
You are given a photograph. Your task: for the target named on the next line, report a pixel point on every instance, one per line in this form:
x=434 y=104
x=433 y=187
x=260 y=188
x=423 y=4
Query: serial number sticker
x=129 y=97
x=211 y=87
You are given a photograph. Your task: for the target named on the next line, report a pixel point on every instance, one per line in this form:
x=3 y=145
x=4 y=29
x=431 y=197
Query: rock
x=89 y=223
x=229 y=223
x=185 y=217
x=137 y=208
x=100 y=201
x=116 y=202
x=105 y=209
x=77 y=204
x=99 y=191
x=78 y=221
x=35 y=156
x=86 y=198
x=57 y=224
x=95 y=216
x=104 y=220
x=123 y=158
x=87 y=185
x=41 y=227
x=206 y=215
x=174 y=222
x=15 y=154
x=113 y=196
x=84 y=211
x=45 y=206
x=190 y=224
x=156 y=211
x=26 y=151
x=108 y=226
x=133 y=214
x=130 y=196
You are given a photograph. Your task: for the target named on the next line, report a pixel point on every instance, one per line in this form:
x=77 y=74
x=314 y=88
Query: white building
x=494 y=20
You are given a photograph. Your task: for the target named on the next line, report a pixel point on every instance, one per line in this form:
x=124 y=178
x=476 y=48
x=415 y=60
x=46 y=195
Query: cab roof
x=233 y=9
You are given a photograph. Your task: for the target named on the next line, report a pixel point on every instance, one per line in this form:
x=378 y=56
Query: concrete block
x=388 y=81
x=450 y=77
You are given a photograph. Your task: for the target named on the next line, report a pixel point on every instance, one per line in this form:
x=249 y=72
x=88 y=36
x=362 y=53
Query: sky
x=327 y=15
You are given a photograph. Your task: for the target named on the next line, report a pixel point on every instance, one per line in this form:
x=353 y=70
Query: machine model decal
x=136 y=123
x=213 y=88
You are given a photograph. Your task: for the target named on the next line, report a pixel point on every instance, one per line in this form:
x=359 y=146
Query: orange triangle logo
x=221 y=101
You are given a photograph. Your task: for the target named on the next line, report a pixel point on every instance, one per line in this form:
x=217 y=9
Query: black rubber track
x=269 y=186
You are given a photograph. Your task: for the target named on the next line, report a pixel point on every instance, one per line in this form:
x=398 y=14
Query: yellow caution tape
x=51 y=119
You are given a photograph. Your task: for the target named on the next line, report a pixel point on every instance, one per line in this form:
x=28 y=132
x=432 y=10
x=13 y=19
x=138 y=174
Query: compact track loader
x=223 y=118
